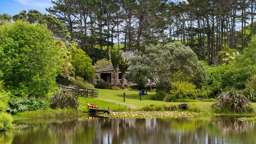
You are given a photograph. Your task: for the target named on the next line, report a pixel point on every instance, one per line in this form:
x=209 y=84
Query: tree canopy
x=207 y=26
x=82 y=63
x=30 y=59
x=161 y=62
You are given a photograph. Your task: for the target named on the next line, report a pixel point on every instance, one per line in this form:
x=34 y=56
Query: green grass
x=47 y=114
x=101 y=103
x=113 y=99
x=132 y=98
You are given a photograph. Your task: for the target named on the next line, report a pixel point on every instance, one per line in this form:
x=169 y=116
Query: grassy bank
x=114 y=100
x=47 y=115
x=131 y=108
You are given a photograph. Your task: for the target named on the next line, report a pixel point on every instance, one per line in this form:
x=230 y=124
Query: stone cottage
x=109 y=75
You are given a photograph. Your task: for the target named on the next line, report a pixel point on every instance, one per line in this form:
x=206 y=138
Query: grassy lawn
x=113 y=99
x=101 y=103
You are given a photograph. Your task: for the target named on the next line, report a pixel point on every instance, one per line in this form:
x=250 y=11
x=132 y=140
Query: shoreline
x=62 y=115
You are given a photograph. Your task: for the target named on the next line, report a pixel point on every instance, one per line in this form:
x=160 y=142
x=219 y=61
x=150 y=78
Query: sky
x=13 y=7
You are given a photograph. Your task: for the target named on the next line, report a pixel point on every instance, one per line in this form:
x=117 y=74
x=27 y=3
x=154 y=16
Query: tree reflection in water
x=135 y=131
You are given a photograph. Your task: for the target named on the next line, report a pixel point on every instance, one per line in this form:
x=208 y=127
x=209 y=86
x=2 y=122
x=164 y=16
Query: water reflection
x=135 y=131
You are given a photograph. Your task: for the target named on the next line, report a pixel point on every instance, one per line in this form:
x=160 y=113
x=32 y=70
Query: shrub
x=202 y=93
x=81 y=83
x=227 y=55
x=21 y=105
x=236 y=77
x=232 y=101
x=182 y=89
x=30 y=59
x=224 y=77
x=214 y=83
x=5 y=121
x=250 y=90
x=64 y=99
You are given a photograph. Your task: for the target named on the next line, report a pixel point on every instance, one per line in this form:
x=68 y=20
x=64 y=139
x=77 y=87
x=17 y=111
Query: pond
x=135 y=131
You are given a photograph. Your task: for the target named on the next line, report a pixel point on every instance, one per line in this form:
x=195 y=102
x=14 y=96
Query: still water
x=135 y=131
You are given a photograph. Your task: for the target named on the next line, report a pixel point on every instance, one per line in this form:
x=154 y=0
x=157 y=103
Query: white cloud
x=35 y=3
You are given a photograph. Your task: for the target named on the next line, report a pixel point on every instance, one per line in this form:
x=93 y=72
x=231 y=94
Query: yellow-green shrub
x=5 y=121
x=182 y=89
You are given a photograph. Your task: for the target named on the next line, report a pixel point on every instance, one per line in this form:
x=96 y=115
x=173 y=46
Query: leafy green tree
x=160 y=62
x=53 y=24
x=30 y=59
x=139 y=71
x=56 y=26
x=82 y=63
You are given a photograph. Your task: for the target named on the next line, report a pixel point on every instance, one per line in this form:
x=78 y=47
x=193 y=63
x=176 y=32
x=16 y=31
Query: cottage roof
x=107 y=68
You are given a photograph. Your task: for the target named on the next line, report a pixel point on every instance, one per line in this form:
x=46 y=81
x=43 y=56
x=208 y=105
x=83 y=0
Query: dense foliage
x=81 y=83
x=139 y=71
x=30 y=59
x=181 y=90
x=20 y=105
x=162 y=63
x=4 y=98
x=82 y=63
x=237 y=74
x=250 y=90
